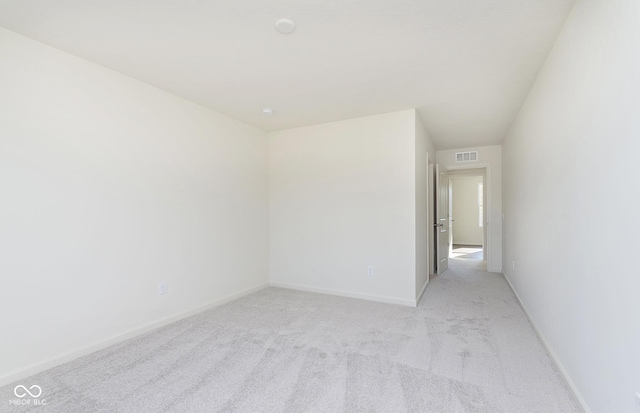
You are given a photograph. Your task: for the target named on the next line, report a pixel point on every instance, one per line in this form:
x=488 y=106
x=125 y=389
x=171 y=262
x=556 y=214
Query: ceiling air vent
x=467 y=156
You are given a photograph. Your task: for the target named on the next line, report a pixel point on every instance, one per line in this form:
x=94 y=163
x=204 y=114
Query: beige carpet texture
x=467 y=347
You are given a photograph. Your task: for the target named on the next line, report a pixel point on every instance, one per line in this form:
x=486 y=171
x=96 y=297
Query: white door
x=442 y=223
x=450 y=209
x=432 y=220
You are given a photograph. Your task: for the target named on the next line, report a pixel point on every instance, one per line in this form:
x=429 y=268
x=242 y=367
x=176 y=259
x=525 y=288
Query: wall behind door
x=466 y=210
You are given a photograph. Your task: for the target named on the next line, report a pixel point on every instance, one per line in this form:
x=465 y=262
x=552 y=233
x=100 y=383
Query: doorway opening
x=467 y=214
x=446 y=221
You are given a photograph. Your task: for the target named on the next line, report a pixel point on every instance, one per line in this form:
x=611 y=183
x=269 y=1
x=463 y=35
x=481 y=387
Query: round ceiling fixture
x=285 y=26
x=267 y=112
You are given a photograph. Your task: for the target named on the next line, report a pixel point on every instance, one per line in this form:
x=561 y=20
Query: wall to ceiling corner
x=489 y=157
x=109 y=187
x=342 y=199
x=571 y=203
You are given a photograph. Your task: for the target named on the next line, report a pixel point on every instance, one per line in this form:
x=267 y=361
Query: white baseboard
x=72 y=355
x=424 y=288
x=378 y=298
x=565 y=375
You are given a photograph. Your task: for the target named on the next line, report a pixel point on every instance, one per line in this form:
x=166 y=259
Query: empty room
x=319 y=206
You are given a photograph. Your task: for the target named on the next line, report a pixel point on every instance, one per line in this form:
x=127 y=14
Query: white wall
x=343 y=197
x=489 y=157
x=108 y=187
x=571 y=202
x=466 y=211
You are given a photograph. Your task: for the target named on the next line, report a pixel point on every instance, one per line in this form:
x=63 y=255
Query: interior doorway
x=467 y=213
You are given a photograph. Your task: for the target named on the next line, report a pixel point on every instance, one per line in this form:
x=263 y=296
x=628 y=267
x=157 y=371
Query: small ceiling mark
x=285 y=26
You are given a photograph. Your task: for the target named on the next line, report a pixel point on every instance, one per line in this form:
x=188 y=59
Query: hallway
x=480 y=338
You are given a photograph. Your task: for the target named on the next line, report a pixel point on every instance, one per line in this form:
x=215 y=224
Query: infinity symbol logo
x=21 y=391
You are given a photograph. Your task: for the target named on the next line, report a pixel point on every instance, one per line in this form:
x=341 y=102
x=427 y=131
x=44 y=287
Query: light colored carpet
x=470 y=252
x=467 y=348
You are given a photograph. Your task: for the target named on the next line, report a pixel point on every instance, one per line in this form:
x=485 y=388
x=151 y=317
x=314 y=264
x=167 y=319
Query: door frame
x=488 y=218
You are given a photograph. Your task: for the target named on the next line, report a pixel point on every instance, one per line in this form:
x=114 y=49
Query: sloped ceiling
x=467 y=65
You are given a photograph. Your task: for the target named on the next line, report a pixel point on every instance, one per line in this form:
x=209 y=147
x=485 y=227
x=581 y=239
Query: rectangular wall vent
x=467 y=156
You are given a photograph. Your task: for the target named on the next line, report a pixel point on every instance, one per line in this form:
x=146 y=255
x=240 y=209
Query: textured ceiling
x=467 y=65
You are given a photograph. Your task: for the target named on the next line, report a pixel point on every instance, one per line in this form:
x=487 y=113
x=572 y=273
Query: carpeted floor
x=469 y=252
x=467 y=348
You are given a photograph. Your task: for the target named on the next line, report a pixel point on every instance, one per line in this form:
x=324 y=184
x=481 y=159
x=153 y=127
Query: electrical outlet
x=370 y=270
x=162 y=288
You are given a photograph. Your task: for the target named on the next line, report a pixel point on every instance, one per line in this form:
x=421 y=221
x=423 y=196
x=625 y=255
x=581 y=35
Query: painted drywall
x=466 y=211
x=343 y=198
x=571 y=170
x=424 y=222
x=110 y=186
x=490 y=158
